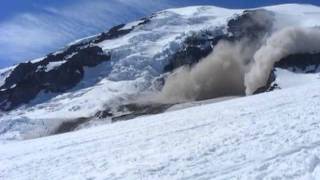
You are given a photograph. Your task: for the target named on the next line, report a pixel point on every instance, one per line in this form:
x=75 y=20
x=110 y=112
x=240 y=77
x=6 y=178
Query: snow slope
x=268 y=136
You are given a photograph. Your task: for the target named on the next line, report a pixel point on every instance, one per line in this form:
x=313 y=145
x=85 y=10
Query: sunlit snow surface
x=269 y=136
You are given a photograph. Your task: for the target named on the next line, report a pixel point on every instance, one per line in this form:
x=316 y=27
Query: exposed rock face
x=269 y=86
x=307 y=63
x=251 y=24
x=300 y=63
x=28 y=79
x=196 y=47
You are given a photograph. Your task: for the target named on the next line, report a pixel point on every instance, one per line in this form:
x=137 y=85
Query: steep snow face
x=268 y=136
x=145 y=50
x=139 y=53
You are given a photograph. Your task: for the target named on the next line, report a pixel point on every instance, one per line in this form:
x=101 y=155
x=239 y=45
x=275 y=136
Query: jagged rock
x=307 y=63
x=28 y=79
x=132 y=110
x=199 y=45
x=303 y=62
x=196 y=47
x=270 y=86
x=251 y=24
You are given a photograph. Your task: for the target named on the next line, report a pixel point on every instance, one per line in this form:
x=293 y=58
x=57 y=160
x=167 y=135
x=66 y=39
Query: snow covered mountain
x=171 y=57
x=235 y=93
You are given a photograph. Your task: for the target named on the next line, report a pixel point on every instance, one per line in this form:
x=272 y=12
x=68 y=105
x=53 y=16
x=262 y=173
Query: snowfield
x=268 y=136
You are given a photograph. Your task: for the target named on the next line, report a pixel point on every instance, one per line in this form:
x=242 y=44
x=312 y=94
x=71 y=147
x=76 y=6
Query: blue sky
x=33 y=28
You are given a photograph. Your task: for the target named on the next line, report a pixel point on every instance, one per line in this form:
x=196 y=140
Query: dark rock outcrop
x=304 y=62
x=299 y=63
x=28 y=79
x=136 y=110
x=270 y=86
x=195 y=47
x=132 y=110
x=251 y=24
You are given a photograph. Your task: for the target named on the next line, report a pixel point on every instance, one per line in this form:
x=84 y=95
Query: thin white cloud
x=30 y=35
